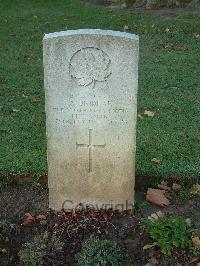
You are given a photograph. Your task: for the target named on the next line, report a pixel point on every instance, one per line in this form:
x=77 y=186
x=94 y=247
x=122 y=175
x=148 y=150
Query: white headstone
x=91 y=80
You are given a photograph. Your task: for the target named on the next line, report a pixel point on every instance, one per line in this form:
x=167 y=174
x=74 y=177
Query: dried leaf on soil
x=176 y=187
x=164 y=185
x=156 y=216
x=40 y=217
x=3 y=251
x=157 y=197
x=196 y=189
x=194 y=259
x=74 y=212
x=196 y=242
x=191 y=202
x=152 y=262
x=28 y=219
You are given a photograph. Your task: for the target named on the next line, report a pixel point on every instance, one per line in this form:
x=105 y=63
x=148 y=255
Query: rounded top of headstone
x=111 y=33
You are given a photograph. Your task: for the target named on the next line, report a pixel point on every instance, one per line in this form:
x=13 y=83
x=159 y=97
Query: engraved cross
x=90 y=146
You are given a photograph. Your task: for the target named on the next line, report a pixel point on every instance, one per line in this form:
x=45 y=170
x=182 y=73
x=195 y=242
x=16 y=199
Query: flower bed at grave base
x=32 y=233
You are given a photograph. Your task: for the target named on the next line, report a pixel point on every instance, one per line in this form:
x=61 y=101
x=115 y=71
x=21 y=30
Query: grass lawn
x=169 y=83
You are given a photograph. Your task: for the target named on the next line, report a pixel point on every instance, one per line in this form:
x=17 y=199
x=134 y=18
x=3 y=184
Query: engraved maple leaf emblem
x=89 y=65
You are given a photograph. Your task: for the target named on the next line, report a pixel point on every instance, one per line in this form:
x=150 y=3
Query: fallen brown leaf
x=15 y=110
x=36 y=101
x=105 y=231
x=40 y=217
x=64 y=214
x=105 y=216
x=157 y=197
x=183 y=135
x=157 y=61
x=160 y=214
x=126 y=28
x=194 y=259
x=176 y=187
x=149 y=113
x=156 y=216
x=24 y=95
x=3 y=250
x=164 y=185
x=152 y=262
x=191 y=202
x=74 y=212
x=167 y=30
x=168 y=45
x=196 y=242
x=28 y=219
x=196 y=36
x=156 y=161
x=196 y=189
x=140 y=116
x=30 y=56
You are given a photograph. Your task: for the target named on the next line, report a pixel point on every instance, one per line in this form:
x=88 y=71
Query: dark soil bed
x=124 y=228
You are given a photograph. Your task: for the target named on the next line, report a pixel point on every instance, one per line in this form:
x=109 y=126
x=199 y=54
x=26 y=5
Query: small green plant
x=44 y=249
x=7 y=232
x=169 y=233
x=100 y=252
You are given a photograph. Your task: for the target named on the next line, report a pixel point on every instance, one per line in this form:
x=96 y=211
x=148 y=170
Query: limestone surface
x=91 y=80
